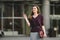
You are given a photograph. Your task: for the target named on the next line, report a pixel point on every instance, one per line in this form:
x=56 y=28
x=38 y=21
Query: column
x=46 y=13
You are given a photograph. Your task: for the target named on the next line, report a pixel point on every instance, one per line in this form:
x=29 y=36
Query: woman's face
x=34 y=10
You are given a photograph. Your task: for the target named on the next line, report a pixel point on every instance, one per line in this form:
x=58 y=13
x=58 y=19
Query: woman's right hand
x=25 y=16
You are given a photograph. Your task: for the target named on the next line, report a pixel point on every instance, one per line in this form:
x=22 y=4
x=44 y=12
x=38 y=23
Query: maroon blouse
x=36 y=23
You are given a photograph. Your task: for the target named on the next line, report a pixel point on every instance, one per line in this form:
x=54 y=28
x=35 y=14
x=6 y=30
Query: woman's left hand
x=45 y=35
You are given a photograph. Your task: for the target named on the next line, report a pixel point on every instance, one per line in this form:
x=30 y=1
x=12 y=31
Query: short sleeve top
x=36 y=23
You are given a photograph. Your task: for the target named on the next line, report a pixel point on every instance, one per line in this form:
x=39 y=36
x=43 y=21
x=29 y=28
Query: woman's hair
x=37 y=11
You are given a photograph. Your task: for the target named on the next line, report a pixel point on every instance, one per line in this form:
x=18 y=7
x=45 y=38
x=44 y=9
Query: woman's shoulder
x=40 y=15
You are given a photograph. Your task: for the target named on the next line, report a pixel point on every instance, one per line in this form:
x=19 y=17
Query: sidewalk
x=25 y=38
x=14 y=38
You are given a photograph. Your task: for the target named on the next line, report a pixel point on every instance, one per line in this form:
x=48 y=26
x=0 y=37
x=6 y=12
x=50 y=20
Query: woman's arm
x=25 y=17
x=45 y=35
x=43 y=27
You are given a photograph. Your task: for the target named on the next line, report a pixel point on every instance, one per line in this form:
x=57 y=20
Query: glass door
x=55 y=18
x=55 y=27
x=12 y=19
x=7 y=19
x=18 y=20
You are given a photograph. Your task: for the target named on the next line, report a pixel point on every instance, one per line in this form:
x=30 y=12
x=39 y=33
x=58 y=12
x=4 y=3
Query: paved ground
x=14 y=38
x=25 y=38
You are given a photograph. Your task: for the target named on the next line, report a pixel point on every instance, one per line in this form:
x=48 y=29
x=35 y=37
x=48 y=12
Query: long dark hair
x=37 y=11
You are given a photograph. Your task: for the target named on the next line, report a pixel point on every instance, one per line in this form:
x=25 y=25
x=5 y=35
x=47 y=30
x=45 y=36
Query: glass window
x=17 y=10
x=59 y=27
x=11 y=18
x=55 y=23
x=18 y=26
x=7 y=24
x=51 y=9
x=7 y=10
x=55 y=8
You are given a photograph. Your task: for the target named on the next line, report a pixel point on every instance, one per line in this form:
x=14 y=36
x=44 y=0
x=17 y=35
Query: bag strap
x=40 y=24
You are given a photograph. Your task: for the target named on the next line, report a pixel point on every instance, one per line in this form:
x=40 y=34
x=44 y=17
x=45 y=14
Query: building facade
x=12 y=22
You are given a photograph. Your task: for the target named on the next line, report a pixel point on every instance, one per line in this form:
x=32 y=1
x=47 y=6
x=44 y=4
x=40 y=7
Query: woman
x=35 y=22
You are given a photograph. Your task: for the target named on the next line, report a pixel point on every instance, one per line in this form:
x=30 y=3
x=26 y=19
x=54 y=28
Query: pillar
x=46 y=13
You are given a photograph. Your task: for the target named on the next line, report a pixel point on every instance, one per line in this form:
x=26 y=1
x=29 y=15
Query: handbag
x=41 y=34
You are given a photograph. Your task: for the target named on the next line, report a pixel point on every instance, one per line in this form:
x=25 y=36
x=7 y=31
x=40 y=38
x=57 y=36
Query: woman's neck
x=35 y=13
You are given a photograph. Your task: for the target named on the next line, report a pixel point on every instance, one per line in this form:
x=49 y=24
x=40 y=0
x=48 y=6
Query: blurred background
x=12 y=23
